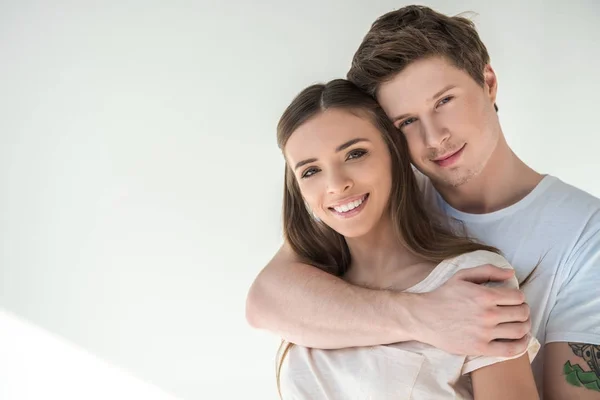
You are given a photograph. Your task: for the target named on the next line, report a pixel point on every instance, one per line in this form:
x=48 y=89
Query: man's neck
x=504 y=181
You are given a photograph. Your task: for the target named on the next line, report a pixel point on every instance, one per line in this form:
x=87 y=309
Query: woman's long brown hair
x=415 y=227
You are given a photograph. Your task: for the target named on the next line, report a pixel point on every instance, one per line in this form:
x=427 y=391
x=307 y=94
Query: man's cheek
x=415 y=156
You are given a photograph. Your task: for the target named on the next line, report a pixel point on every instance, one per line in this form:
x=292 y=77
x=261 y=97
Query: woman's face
x=343 y=168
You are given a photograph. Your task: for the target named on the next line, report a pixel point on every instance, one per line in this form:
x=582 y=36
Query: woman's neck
x=379 y=260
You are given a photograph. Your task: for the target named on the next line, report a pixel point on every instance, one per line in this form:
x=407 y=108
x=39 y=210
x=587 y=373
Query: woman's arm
x=511 y=379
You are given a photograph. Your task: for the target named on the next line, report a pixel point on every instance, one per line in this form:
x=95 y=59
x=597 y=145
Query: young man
x=431 y=74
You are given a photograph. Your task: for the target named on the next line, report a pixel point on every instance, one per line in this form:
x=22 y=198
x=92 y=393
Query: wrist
x=406 y=312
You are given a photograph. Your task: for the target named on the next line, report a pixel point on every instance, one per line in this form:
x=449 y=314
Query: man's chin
x=455 y=180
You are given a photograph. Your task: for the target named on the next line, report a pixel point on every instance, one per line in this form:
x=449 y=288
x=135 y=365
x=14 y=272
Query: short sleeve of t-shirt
x=575 y=316
x=474 y=259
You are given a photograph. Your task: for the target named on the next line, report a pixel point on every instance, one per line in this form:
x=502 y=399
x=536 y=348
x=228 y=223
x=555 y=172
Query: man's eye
x=445 y=100
x=309 y=172
x=406 y=122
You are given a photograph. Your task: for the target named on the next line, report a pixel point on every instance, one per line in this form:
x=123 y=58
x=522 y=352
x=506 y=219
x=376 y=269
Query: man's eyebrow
x=437 y=94
x=341 y=147
x=444 y=89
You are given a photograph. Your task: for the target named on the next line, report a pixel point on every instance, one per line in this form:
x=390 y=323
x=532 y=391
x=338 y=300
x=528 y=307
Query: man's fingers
x=508 y=297
x=516 y=313
x=512 y=330
x=508 y=348
x=485 y=273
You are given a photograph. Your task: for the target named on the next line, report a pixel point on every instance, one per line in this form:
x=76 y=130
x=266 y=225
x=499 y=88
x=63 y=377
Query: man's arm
x=571 y=353
x=571 y=371
x=309 y=307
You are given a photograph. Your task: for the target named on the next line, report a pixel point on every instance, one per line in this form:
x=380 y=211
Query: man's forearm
x=309 y=307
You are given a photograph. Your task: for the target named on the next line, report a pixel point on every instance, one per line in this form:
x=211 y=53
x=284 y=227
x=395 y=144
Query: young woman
x=352 y=207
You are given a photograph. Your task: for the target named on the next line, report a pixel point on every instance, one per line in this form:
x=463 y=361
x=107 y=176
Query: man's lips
x=449 y=159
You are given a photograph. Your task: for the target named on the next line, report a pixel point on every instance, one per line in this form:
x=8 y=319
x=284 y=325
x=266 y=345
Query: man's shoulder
x=573 y=216
x=563 y=202
x=575 y=196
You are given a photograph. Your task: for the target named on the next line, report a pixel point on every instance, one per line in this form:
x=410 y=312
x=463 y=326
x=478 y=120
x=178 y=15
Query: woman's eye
x=356 y=154
x=309 y=172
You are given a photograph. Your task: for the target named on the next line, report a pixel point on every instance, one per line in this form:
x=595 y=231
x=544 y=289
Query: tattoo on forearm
x=575 y=375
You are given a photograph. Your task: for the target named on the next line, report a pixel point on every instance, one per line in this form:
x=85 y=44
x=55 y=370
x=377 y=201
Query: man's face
x=448 y=119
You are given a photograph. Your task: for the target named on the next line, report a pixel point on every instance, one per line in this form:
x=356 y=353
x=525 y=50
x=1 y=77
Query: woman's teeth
x=349 y=206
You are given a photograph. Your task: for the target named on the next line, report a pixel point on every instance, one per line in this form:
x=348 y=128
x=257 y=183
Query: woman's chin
x=352 y=233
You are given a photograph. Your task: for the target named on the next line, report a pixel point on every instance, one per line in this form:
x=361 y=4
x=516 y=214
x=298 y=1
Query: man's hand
x=464 y=317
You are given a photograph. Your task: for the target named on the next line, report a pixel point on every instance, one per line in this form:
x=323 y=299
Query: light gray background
x=141 y=182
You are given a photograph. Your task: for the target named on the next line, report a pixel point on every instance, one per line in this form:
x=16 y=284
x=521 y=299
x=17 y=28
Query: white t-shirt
x=407 y=370
x=559 y=225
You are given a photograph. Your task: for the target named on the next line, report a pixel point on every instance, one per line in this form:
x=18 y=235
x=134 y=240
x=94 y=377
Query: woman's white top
x=408 y=370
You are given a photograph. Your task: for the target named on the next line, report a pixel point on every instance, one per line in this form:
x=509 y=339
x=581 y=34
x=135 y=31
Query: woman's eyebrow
x=341 y=147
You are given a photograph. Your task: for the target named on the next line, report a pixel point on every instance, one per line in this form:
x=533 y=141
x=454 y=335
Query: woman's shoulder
x=478 y=257
x=483 y=257
x=447 y=268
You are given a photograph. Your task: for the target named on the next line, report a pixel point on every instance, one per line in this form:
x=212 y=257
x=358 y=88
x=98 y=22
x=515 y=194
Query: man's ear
x=490 y=82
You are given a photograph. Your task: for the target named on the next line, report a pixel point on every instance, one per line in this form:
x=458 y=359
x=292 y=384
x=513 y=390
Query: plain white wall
x=141 y=183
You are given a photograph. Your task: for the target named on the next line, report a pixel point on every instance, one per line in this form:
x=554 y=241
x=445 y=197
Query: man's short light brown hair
x=401 y=37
